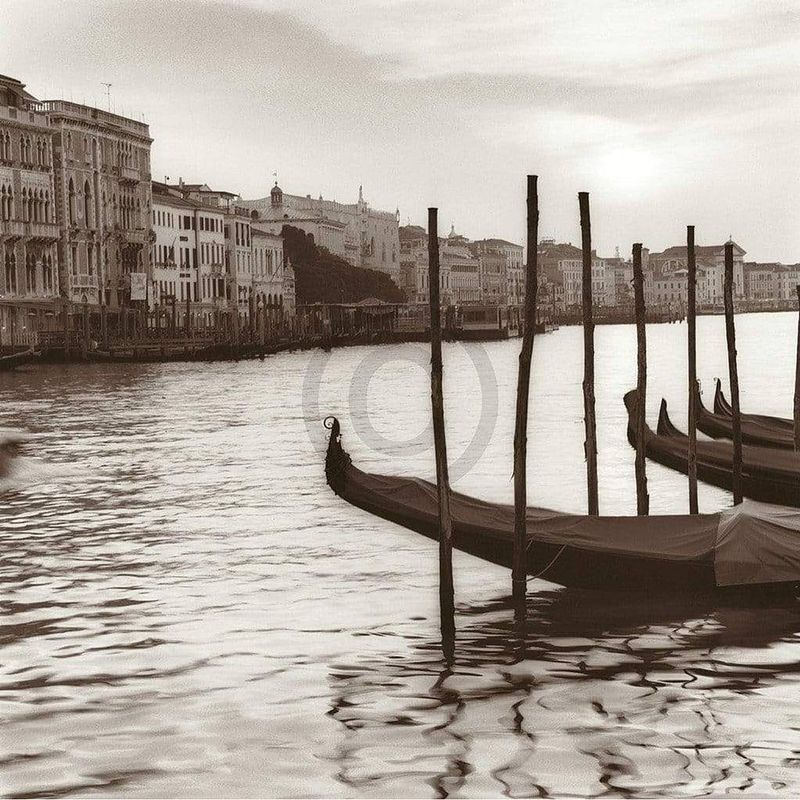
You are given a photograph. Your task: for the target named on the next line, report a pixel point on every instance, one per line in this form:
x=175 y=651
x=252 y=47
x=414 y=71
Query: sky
x=668 y=112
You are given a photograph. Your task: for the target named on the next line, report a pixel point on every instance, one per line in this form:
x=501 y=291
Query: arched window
x=30 y=274
x=4 y=215
x=47 y=206
x=88 y=220
x=11 y=272
x=71 y=201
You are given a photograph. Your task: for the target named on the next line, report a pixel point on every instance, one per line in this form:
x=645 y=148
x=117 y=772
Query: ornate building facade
x=103 y=202
x=360 y=234
x=28 y=228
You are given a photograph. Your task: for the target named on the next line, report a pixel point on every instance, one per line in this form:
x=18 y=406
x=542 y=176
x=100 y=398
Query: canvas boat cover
x=749 y=544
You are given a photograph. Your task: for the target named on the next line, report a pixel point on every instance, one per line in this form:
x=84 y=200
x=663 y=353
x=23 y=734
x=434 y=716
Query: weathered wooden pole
x=691 y=291
x=733 y=374
x=446 y=601
x=188 y=311
x=590 y=422
x=519 y=568
x=797 y=382
x=642 y=497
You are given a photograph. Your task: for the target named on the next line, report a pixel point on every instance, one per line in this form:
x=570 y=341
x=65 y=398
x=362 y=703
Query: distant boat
x=690 y=553
x=768 y=474
x=15 y=360
x=757 y=429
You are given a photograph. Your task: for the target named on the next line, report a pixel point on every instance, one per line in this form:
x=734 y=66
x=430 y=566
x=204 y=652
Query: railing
x=88 y=112
x=82 y=280
x=129 y=173
x=12 y=227
x=139 y=235
x=43 y=230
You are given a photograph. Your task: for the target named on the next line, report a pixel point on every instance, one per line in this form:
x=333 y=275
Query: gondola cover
x=751 y=545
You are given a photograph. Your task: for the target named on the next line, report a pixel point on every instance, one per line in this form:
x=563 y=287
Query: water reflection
x=604 y=694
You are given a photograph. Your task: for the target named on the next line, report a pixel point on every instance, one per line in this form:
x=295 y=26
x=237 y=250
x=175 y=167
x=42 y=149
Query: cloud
x=649 y=105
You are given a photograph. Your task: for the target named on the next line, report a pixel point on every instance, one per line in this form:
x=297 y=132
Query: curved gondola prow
x=336 y=459
x=721 y=405
x=698 y=400
x=665 y=426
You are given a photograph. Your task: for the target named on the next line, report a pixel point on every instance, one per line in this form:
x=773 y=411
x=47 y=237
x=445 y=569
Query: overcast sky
x=670 y=112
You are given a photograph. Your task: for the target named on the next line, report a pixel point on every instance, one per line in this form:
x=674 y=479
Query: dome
x=276 y=195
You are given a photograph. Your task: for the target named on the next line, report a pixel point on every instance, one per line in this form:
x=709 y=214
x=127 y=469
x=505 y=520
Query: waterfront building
x=463 y=284
x=759 y=281
x=513 y=289
x=667 y=291
x=188 y=253
x=362 y=235
x=233 y=285
x=787 y=279
x=269 y=270
x=103 y=203
x=28 y=229
x=562 y=264
x=710 y=262
x=414 y=263
x=494 y=283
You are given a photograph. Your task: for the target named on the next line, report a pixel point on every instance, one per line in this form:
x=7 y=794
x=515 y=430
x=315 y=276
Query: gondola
x=756 y=429
x=15 y=360
x=699 y=553
x=776 y=425
x=768 y=475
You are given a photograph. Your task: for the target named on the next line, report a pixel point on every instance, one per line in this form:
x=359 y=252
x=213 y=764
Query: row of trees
x=322 y=277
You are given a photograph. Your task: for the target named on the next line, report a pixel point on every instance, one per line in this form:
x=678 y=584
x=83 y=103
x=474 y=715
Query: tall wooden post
x=691 y=291
x=188 y=311
x=446 y=601
x=642 y=497
x=590 y=445
x=519 y=570
x=733 y=373
x=797 y=382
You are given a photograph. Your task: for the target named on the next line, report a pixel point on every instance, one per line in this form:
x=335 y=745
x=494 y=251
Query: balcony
x=128 y=175
x=133 y=236
x=47 y=231
x=82 y=280
x=12 y=228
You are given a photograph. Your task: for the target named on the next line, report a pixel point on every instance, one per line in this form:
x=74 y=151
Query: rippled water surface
x=189 y=611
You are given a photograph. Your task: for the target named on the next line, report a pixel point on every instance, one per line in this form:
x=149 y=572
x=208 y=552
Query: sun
x=625 y=169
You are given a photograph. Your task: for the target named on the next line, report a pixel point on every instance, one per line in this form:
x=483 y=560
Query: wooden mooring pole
x=797 y=382
x=733 y=373
x=590 y=421
x=519 y=568
x=642 y=497
x=446 y=600
x=691 y=290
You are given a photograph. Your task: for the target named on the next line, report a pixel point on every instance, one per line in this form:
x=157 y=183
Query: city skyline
x=689 y=122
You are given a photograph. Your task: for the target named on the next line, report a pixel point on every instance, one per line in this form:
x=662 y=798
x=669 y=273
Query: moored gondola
x=14 y=360
x=723 y=408
x=768 y=474
x=694 y=553
x=757 y=429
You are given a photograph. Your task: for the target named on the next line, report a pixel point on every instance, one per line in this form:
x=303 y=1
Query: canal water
x=188 y=610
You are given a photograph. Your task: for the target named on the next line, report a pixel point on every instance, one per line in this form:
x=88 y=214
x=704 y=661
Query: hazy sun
x=626 y=169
